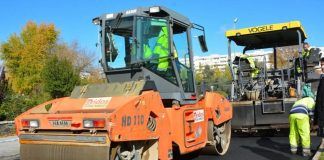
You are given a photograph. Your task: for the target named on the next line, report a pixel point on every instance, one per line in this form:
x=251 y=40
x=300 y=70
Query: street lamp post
x=235 y=21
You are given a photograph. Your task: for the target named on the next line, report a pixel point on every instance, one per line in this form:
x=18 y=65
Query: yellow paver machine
x=262 y=92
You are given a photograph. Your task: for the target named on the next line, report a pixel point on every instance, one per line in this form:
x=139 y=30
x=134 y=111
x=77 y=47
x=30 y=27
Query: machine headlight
x=88 y=124
x=109 y=16
x=96 y=21
x=33 y=124
x=94 y=123
x=154 y=9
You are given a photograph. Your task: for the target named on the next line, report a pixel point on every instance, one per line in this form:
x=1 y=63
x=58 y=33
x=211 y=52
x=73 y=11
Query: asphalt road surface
x=261 y=148
x=242 y=148
x=9 y=148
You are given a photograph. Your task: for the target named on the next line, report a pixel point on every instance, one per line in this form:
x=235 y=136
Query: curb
x=7 y=122
x=319 y=151
x=9 y=140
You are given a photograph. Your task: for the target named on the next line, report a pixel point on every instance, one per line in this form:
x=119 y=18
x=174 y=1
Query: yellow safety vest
x=305 y=54
x=147 y=52
x=162 y=49
x=250 y=59
x=307 y=102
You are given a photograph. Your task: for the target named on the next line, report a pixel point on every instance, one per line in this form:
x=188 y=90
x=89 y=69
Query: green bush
x=15 y=104
x=59 y=77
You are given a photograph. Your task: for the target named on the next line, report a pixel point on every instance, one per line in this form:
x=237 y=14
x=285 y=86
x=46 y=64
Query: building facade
x=218 y=61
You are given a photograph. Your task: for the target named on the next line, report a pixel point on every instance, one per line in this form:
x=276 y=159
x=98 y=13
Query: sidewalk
x=320 y=153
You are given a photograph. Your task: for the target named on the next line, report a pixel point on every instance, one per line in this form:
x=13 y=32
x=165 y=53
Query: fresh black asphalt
x=260 y=148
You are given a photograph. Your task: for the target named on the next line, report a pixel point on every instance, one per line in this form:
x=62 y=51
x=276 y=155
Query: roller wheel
x=221 y=136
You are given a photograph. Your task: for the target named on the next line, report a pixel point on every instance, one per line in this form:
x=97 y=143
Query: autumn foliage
x=24 y=55
x=39 y=67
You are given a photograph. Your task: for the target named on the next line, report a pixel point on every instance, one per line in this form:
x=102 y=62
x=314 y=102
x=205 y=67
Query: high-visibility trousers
x=299 y=131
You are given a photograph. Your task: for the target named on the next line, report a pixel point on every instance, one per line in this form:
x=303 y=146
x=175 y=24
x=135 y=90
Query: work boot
x=293 y=150
x=306 y=152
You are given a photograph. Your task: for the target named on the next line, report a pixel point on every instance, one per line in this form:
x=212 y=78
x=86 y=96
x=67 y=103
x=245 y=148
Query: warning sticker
x=95 y=103
x=199 y=115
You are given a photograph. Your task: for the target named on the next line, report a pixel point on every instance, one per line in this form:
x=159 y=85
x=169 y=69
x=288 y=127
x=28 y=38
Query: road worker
x=299 y=120
x=255 y=71
x=147 y=52
x=162 y=49
x=305 y=54
x=306 y=50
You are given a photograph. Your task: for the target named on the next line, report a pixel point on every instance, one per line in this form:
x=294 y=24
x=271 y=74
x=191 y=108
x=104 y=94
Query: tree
x=208 y=74
x=223 y=80
x=80 y=58
x=15 y=104
x=224 y=75
x=284 y=54
x=95 y=76
x=39 y=68
x=59 y=76
x=3 y=83
x=220 y=79
x=24 y=55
